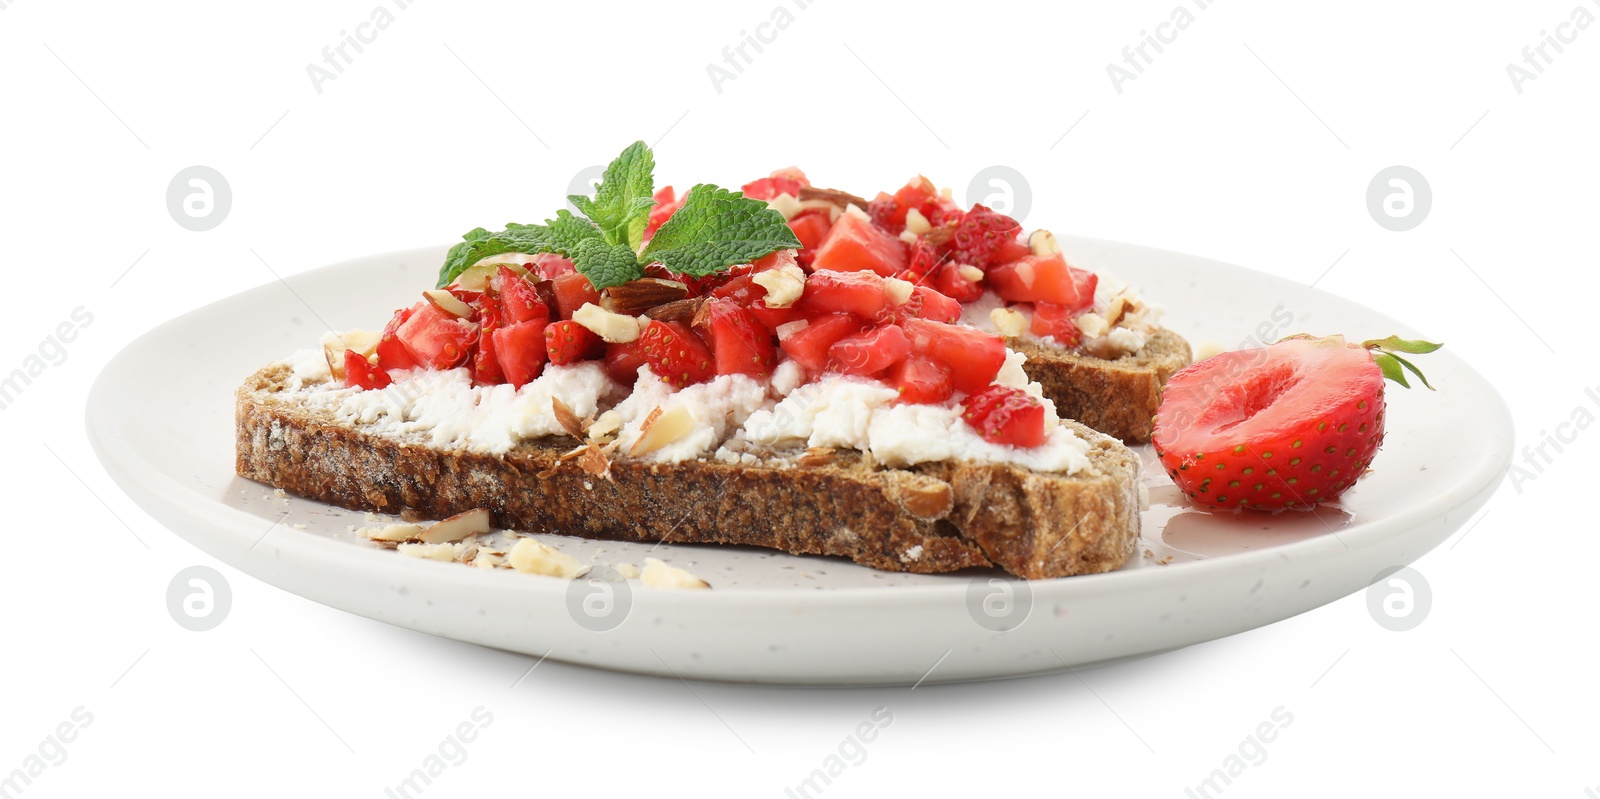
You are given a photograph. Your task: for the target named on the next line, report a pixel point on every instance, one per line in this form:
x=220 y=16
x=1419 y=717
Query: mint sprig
x=715 y=229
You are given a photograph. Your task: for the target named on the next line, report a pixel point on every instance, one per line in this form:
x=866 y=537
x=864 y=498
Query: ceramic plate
x=161 y=419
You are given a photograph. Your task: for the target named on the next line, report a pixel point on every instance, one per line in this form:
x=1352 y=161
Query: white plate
x=161 y=419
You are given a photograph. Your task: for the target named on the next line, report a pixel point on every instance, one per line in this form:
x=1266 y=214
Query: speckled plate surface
x=773 y=617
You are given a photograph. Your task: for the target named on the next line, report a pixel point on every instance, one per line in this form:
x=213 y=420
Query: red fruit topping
x=360 y=373
x=809 y=347
x=974 y=357
x=855 y=244
x=567 y=342
x=1005 y=415
x=869 y=352
x=676 y=354
x=740 y=344
x=520 y=349
x=979 y=234
x=921 y=379
x=437 y=339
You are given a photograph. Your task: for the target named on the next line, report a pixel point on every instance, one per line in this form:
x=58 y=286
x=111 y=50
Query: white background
x=1251 y=139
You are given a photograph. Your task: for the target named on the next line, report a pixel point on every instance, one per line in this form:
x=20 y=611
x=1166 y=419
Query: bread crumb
x=658 y=574
x=530 y=556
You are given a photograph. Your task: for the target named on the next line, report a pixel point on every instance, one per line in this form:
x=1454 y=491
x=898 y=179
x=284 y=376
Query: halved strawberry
x=809 y=347
x=485 y=366
x=437 y=339
x=740 y=344
x=1056 y=322
x=869 y=352
x=860 y=293
x=567 y=342
x=391 y=353
x=854 y=243
x=980 y=233
x=1284 y=426
x=1045 y=278
x=623 y=361
x=362 y=374
x=572 y=291
x=519 y=300
x=676 y=354
x=520 y=350
x=1006 y=415
x=974 y=357
x=921 y=379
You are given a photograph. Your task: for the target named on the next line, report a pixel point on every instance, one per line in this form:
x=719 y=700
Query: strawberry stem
x=1395 y=367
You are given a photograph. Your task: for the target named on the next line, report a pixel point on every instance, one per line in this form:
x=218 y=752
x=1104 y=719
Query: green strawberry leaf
x=716 y=229
x=1390 y=366
x=1414 y=370
x=606 y=265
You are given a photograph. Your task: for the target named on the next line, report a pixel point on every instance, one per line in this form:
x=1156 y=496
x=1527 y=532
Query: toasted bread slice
x=1117 y=397
x=936 y=517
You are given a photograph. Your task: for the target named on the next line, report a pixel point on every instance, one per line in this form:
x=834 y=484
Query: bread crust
x=1117 y=397
x=961 y=515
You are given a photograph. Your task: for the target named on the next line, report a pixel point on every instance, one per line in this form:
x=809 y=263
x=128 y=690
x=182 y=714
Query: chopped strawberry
x=775 y=260
x=811 y=228
x=437 y=339
x=921 y=379
x=924 y=258
x=567 y=342
x=979 y=234
x=769 y=188
x=519 y=299
x=471 y=298
x=1045 y=278
x=486 y=369
x=869 y=352
x=886 y=213
x=623 y=361
x=551 y=266
x=926 y=303
x=809 y=347
x=974 y=357
x=889 y=211
x=855 y=244
x=362 y=374
x=520 y=349
x=742 y=289
x=1005 y=415
x=391 y=353
x=1056 y=322
x=792 y=173
x=860 y=293
x=1010 y=250
x=572 y=291
x=676 y=354
x=740 y=344
x=667 y=204
x=950 y=281
x=1284 y=426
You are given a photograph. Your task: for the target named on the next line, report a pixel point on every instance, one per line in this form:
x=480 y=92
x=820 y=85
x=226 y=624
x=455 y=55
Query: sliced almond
x=657 y=574
x=682 y=311
x=898 y=291
x=447 y=302
x=394 y=532
x=972 y=273
x=457 y=527
x=606 y=426
x=941 y=235
x=444 y=552
x=615 y=328
x=1010 y=322
x=662 y=428
x=531 y=556
x=638 y=296
x=908 y=237
x=835 y=196
x=594 y=462
x=566 y=418
x=1092 y=325
x=477 y=276
x=1043 y=242
x=816 y=456
x=784 y=285
x=1114 y=312
x=917 y=223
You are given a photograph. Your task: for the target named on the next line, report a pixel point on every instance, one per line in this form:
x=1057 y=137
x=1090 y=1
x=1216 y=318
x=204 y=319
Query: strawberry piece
x=436 y=339
x=886 y=213
x=769 y=188
x=773 y=260
x=1010 y=250
x=923 y=259
x=869 y=352
x=519 y=300
x=950 y=281
x=676 y=354
x=550 y=266
x=974 y=357
x=1006 y=415
x=1285 y=426
x=1056 y=322
x=520 y=350
x=391 y=353
x=855 y=244
x=811 y=228
x=740 y=345
x=567 y=342
x=809 y=347
x=925 y=303
x=921 y=379
x=859 y=293
x=623 y=361
x=979 y=234
x=486 y=369
x=1044 y=279
x=572 y=291
x=361 y=373
x=667 y=204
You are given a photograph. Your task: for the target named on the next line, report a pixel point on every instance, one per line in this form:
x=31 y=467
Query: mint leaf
x=715 y=229
x=606 y=265
x=622 y=202
x=560 y=235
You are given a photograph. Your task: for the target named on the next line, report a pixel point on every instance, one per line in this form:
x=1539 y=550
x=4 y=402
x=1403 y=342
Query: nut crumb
x=658 y=574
